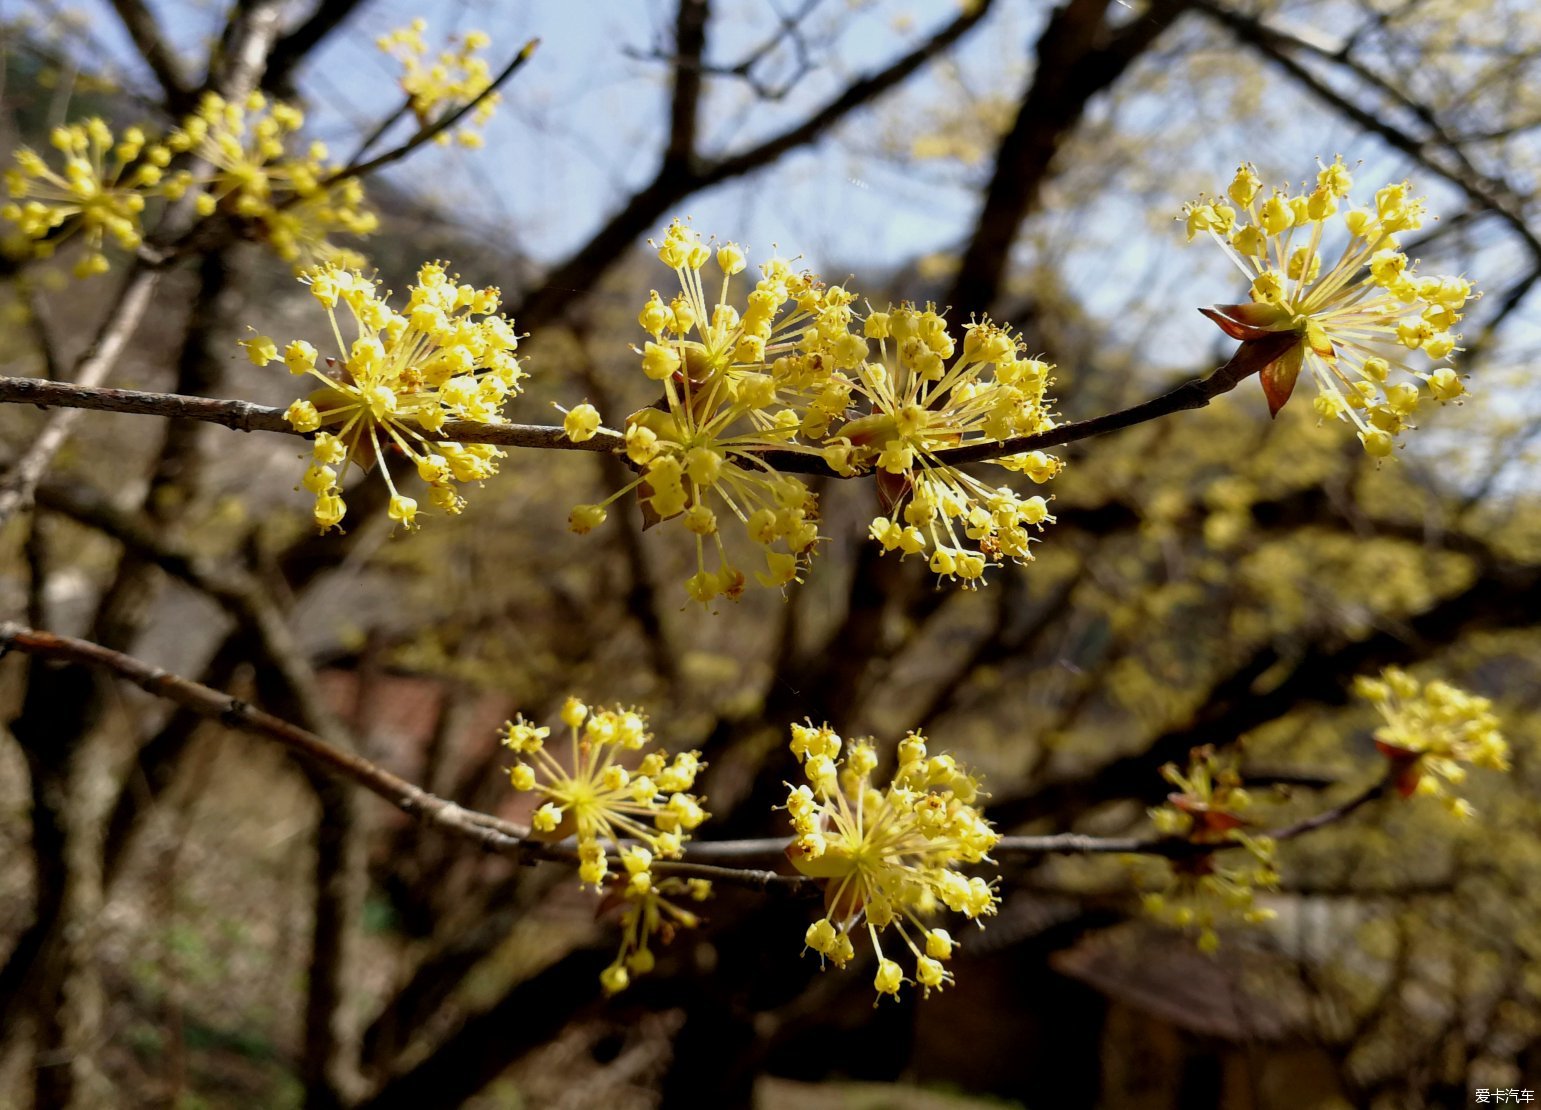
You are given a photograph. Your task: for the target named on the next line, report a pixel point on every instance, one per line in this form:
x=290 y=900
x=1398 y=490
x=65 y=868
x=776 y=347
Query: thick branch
x=296 y=45
x=1072 y=66
x=140 y=24
x=676 y=179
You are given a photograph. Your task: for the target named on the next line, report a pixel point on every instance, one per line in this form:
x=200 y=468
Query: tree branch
x=1494 y=195
x=676 y=179
x=246 y=416
x=20 y=481
x=295 y=46
x=140 y=24
x=489 y=832
x=433 y=130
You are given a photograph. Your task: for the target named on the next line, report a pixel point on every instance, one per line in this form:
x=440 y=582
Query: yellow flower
x=581 y=422
x=735 y=384
x=1202 y=890
x=649 y=910
x=925 y=396
x=407 y=373
x=253 y=174
x=299 y=227
x=99 y=193
x=1356 y=322
x=889 y=859
x=441 y=84
x=597 y=799
x=1432 y=732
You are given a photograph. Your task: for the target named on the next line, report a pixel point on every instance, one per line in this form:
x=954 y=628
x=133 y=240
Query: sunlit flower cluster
x=889 y=859
x=1359 y=319
x=735 y=384
x=1204 y=889
x=790 y=373
x=649 y=909
x=925 y=395
x=252 y=168
x=595 y=797
x=98 y=192
x=443 y=82
x=446 y=355
x=1432 y=732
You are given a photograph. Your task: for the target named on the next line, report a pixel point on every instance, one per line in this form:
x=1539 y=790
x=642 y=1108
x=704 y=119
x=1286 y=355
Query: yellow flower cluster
x=1202 y=889
x=926 y=395
x=99 y=192
x=781 y=373
x=888 y=858
x=649 y=910
x=600 y=801
x=1431 y=732
x=406 y=373
x=288 y=198
x=455 y=77
x=735 y=383
x=1359 y=319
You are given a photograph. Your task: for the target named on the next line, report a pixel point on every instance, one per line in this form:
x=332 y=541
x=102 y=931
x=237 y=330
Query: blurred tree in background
x=194 y=915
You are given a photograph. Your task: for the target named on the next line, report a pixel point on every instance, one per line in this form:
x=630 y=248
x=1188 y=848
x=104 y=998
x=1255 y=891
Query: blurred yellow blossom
x=288 y=196
x=99 y=192
x=443 y=82
x=1202 y=889
x=1432 y=731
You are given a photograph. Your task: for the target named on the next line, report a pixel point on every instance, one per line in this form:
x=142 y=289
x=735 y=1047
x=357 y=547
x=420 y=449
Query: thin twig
x=244 y=416
x=248 y=417
x=437 y=127
x=496 y=835
x=491 y=833
x=20 y=482
x=378 y=131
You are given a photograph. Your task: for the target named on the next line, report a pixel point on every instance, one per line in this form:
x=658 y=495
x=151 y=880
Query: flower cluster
x=648 y=910
x=735 y=384
x=888 y=859
x=782 y=374
x=1202 y=889
x=597 y=799
x=249 y=171
x=1432 y=731
x=1356 y=321
x=406 y=373
x=454 y=77
x=926 y=395
x=99 y=192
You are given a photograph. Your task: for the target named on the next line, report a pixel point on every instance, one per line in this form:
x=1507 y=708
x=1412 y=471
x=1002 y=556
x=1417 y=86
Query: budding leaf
x=1278 y=377
x=1252 y=320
